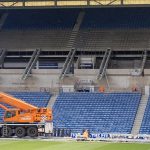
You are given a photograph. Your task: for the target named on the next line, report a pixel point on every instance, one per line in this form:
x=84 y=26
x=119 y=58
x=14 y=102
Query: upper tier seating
x=49 y=39
x=145 y=127
x=115 y=28
x=102 y=113
x=40 y=19
x=50 y=29
x=117 y=18
x=39 y=99
x=125 y=40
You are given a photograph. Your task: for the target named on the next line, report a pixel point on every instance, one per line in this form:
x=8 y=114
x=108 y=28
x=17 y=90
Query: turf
x=46 y=145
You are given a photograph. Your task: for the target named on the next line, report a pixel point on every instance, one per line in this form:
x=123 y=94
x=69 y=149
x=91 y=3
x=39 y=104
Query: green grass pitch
x=47 y=145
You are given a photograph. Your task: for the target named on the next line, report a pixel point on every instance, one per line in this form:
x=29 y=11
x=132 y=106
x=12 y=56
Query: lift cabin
x=23 y=119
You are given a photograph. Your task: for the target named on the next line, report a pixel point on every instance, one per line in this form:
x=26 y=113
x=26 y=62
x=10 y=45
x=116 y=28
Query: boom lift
x=23 y=119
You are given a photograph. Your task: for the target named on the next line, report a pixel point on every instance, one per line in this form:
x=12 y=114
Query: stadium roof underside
x=72 y=3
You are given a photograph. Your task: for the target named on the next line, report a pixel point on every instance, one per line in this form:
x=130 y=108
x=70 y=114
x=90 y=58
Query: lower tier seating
x=39 y=99
x=97 y=112
x=145 y=127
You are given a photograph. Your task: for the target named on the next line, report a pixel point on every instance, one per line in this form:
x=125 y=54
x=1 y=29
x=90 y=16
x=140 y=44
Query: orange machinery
x=22 y=112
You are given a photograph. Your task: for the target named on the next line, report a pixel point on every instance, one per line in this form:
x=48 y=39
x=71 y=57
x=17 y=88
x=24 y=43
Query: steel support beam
x=68 y=63
x=2 y=57
x=104 y=64
x=31 y=64
x=143 y=62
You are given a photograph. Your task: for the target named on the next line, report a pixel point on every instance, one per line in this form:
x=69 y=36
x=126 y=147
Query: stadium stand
x=39 y=99
x=119 y=40
x=96 y=31
x=47 y=29
x=116 y=28
x=97 y=112
x=119 y=29
x=40 y=19
x=117 y=18
x=145 y=127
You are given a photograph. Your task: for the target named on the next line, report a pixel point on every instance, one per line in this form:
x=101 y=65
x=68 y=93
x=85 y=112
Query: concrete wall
x=119 y=79
x=11 y=79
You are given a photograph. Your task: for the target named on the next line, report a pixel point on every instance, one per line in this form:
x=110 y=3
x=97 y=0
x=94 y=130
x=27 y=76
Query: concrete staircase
x=52 y=101
x=139 y=115
x=75 y=30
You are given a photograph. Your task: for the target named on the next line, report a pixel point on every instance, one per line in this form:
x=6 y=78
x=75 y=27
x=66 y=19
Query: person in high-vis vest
x=85 y=134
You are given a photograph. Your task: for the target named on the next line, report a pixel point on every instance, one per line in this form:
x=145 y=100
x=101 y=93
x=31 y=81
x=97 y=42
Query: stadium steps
x=52 y=101
x=139 y=115
x=75 y=30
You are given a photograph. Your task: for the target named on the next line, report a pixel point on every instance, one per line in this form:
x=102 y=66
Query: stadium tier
x=50 y=29
x=39 y=99
x=97 y=112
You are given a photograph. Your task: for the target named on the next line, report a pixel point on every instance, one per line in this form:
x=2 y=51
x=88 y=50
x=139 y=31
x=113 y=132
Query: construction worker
x=85 y=134
x=101 y=89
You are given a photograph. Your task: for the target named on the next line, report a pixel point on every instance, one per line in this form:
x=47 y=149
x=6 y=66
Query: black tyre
x=32 y=131
x=20 y=132
x=8 y=132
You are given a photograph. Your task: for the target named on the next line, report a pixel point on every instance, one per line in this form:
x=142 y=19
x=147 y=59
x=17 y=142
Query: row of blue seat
x=104 y=113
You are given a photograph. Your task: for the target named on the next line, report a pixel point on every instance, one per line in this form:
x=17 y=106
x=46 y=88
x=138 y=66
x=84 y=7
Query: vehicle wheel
x=20 y=132
x=32 y=131
x=8 y=133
